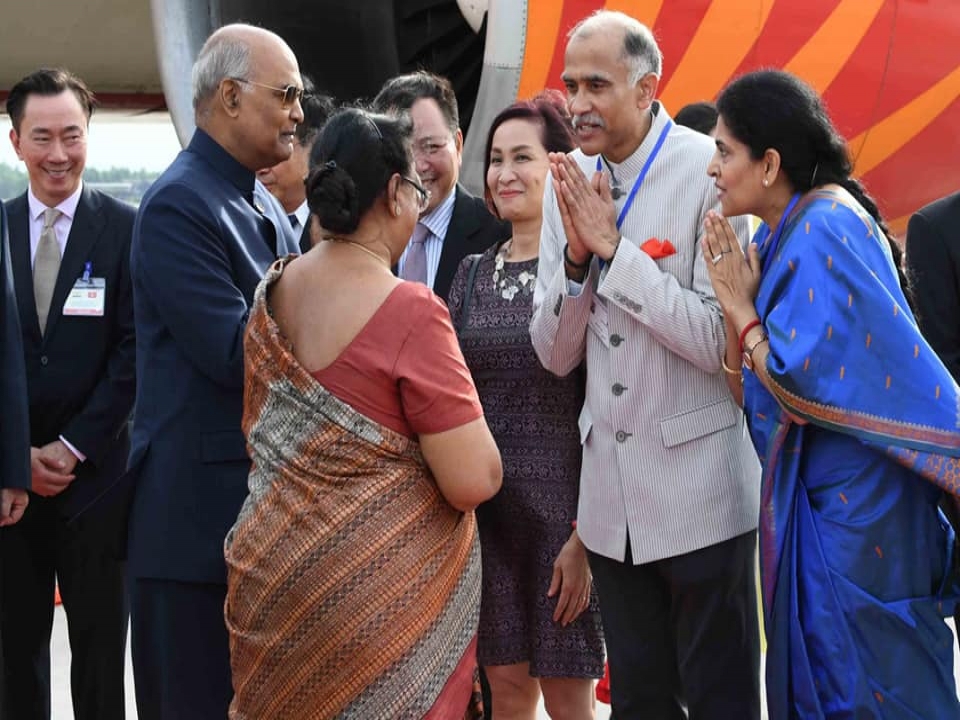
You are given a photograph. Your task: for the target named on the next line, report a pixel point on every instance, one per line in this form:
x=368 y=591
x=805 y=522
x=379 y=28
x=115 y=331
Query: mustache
x=588 y=119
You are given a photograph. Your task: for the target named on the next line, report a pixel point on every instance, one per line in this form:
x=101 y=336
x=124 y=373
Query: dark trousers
x=181 y=652
x=682 y=632
x=34 y=553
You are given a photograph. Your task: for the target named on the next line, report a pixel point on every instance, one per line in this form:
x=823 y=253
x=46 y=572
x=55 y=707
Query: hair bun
x=332 y=196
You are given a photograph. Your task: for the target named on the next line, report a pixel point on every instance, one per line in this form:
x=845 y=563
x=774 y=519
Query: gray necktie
x=415 y=264
x=46 y=265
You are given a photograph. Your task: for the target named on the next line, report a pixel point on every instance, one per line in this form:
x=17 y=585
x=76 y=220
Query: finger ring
x=717 y=258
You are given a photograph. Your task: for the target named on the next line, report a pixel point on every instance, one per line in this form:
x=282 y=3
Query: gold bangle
x=723 y=361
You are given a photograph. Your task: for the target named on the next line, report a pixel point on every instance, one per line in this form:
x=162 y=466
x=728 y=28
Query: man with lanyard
x=669 y=488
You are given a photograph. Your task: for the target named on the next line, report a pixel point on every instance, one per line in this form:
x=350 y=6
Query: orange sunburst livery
x=896 y=102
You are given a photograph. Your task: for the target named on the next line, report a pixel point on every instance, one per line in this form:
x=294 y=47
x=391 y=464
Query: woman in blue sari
x=854 y=418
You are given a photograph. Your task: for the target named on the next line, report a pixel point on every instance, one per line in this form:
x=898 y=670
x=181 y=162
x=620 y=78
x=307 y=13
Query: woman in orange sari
x=354 y=566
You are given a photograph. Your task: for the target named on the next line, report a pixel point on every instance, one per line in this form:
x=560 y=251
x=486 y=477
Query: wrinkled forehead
x=597 y=56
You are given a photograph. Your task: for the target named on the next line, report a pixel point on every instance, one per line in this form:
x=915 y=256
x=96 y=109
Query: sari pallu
x=353 y=586
x=855 y=558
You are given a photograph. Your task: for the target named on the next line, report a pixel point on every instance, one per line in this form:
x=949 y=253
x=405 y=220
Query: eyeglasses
x=288 y=95
x=423 y=195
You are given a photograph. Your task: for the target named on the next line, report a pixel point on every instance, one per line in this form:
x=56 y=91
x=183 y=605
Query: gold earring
x=396 y=210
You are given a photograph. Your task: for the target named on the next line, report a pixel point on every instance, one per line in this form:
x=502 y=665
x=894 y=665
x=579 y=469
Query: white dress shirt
x=436 y=221
x=62 y=225
x=68 y=208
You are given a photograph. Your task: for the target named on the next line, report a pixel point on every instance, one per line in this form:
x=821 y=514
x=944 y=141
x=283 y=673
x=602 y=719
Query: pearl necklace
x=508 y=286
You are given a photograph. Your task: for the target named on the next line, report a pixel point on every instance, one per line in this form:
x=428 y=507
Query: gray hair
x=640 y=51
x=222 y=56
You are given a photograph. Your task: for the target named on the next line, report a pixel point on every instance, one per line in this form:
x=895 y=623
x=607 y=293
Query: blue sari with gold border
x=857 y=442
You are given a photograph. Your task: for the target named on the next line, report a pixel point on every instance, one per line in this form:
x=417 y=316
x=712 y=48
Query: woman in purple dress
x=539 y=620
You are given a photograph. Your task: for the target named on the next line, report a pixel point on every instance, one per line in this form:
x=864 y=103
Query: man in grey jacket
x=669 y=487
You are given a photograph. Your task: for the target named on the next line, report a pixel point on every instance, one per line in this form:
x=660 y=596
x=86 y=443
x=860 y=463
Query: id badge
x=86 y=298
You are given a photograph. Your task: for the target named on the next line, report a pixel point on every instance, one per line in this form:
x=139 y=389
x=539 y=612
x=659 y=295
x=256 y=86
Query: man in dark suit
x=204 y=236
x=14 y=419
x=70 y=249
x=933 y=266
x=455 y=223
x=287 y=179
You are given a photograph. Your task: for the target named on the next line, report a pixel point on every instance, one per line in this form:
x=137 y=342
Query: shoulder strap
x=468 y=291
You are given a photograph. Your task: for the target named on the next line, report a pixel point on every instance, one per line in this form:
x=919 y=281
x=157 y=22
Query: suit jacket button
x=618 y=389
x=44 y=360
x=615 y=340
x=622 y=436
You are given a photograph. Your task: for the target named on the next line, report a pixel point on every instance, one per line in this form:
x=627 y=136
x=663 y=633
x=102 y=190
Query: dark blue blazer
x=204 y=236
x=80 y=373
x=14 y=420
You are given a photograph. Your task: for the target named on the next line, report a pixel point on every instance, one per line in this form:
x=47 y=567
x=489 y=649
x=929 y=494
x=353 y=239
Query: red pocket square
x=658 y=248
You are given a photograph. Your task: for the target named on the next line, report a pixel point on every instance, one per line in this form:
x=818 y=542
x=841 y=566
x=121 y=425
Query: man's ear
x=15 y=141
x=229 y=94
x=648 y=89
x=458 y=143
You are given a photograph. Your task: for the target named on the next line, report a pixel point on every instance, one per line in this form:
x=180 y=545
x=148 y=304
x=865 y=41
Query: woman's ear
x=771 y=166
x=393 y=194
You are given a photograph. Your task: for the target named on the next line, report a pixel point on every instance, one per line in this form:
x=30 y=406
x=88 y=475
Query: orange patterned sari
x=353 y=586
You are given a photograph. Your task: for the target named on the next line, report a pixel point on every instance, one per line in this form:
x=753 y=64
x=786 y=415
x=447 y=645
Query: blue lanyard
x=778 y=233
x=643 y=172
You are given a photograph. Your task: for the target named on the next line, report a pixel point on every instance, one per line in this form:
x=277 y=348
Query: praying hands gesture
x=586 y=209
x=735 y=276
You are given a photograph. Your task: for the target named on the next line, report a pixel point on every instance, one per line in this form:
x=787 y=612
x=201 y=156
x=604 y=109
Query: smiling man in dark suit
x=205 y=234
x=70 y=248
x=455 y=223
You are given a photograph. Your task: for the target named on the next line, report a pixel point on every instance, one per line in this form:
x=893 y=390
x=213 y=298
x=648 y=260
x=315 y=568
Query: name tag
x=86 y=298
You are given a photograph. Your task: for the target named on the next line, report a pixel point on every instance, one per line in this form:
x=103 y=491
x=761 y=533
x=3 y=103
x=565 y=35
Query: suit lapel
x=463 y=224
x=18 y=214
x=88 y=224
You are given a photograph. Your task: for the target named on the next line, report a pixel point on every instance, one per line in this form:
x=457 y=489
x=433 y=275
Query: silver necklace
x=507 y=285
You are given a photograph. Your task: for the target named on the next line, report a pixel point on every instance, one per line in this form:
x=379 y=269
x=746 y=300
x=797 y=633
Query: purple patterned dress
x=533 y=417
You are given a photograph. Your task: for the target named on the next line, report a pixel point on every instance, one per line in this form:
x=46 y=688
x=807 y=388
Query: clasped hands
x=735 y=277
x=586 y=209
x=51 y=468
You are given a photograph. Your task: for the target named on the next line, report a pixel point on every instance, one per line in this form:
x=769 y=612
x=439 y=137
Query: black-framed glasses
x=288 y=95
x=423 y=195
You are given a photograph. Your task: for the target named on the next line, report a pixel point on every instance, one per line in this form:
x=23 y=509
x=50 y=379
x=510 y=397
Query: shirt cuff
x=79 y=455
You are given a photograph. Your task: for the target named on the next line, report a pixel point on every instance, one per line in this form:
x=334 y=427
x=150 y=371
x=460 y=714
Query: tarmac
x=60 y=677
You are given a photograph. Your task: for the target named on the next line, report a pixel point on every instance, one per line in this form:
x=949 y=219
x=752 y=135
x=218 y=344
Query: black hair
x=699 y=116
x=401 y=92
x=772 y=109
x=47 y=82
x=353 y=159
x=317 y=109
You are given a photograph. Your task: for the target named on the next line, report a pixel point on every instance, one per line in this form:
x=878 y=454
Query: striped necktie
x=46 y=265
x=415 y=264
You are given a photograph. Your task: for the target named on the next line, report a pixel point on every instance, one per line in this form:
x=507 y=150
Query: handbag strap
x=468 y=292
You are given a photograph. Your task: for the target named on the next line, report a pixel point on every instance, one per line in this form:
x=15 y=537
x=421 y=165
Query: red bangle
x=573 y=524
x=747 y=328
